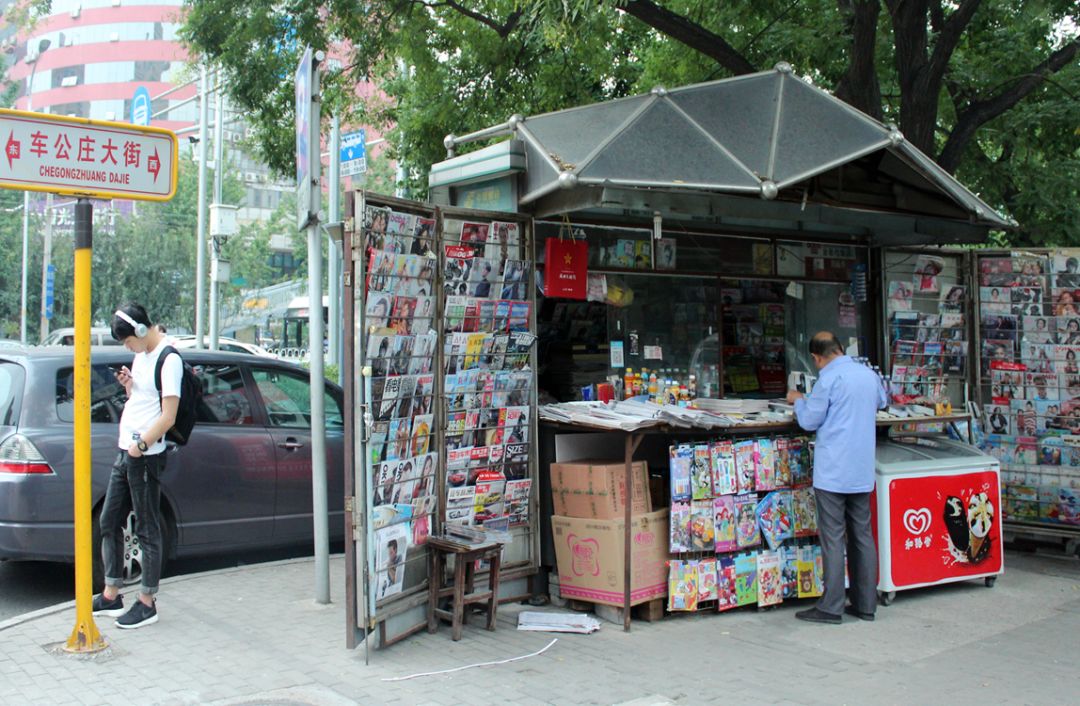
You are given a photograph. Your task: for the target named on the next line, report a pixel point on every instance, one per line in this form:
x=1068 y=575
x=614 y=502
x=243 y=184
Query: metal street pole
x=85 y=636
x=319 y=507
x=42 y=46
x=200 y=241
x=215 y=242
x=333 y=250
x=46 y=263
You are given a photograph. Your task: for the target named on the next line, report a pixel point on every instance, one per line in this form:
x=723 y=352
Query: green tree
x=963 y=80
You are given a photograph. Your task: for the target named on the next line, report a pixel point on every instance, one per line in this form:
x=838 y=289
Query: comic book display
x=742 y=514
x=487 y=372
x=926 y=306
x=1029 y=309
x=399 y=344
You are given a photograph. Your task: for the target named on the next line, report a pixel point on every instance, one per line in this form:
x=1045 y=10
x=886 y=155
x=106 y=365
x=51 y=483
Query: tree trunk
x=860 y=87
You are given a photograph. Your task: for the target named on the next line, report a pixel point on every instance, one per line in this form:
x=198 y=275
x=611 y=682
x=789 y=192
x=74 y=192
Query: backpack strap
x=165 y=353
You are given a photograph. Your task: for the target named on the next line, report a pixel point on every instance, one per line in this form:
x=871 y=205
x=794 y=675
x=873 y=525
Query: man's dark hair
x=392 y=544
x=825 y=344
x=122 y=329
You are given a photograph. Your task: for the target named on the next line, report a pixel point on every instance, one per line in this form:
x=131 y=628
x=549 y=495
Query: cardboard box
x=597 y=489
x=590 y=556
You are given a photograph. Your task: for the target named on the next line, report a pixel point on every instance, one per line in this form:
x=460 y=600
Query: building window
x=68 y=76
x=150 y=70
x=77 y=110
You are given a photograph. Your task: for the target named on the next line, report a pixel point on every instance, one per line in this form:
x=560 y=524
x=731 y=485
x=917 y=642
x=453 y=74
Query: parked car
x=242 y=482
x=225 y=344
x=99 y=336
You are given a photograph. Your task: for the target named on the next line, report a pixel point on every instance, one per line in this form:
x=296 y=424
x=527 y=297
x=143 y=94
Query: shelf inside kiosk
x=713 y=316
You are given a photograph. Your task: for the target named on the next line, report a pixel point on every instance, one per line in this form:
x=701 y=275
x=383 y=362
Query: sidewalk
x=254 y=636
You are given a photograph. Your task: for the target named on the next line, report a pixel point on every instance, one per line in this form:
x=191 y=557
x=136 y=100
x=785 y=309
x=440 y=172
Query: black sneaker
x=111 y=609
x=139 y=615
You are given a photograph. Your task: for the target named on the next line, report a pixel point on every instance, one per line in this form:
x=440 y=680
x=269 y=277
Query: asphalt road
x=29 y=585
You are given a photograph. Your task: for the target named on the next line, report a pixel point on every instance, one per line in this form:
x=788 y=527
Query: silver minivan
x=243 y=481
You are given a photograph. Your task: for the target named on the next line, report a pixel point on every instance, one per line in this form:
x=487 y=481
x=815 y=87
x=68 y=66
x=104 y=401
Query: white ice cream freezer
x=937 y=514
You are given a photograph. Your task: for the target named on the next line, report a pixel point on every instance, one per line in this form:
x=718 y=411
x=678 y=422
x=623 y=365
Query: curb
x=59 y=607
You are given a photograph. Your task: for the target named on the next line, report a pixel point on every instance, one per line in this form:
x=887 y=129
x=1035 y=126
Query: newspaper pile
x=630 y=415
x=557 y=622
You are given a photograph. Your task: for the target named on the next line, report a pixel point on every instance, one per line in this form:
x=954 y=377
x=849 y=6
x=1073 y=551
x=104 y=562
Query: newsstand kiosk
x=937 y=514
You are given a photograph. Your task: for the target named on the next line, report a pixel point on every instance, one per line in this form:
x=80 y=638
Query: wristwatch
x=142 y=446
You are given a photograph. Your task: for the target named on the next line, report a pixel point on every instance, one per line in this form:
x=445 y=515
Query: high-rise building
x=97 y=53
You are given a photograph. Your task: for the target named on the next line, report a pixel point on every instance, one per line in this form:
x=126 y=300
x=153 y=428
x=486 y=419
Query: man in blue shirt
x=842 y=409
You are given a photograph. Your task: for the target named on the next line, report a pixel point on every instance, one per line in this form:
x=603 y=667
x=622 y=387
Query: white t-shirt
x=143 y=406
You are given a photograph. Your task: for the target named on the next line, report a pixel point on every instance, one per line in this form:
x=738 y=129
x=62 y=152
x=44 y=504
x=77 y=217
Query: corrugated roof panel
x=816 y=132
x=738 y=113
x=661 y=146
x=572 y=134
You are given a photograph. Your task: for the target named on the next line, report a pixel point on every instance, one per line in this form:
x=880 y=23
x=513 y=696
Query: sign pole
x=85 y=637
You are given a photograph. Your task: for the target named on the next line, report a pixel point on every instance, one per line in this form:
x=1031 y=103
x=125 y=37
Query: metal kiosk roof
x=766 y=150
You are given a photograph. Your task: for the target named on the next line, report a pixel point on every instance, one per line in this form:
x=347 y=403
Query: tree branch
x=503 y=30
x=949 y=34
x=978 y=113
x=689 y=33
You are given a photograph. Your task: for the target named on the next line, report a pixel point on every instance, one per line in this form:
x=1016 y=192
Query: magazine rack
x=411 y=336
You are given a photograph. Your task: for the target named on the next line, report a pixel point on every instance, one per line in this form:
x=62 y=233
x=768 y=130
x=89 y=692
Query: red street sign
x=81 y=157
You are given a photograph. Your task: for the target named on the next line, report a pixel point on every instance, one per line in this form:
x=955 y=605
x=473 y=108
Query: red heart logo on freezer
x=917 y=521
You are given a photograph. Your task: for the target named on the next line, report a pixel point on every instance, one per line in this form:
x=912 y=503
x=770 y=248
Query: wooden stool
x=461 y=588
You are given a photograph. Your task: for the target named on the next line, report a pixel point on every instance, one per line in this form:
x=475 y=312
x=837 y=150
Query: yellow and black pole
x=85 y=637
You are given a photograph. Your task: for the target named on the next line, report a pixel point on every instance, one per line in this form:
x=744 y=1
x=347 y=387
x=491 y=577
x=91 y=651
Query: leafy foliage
x=987 y=87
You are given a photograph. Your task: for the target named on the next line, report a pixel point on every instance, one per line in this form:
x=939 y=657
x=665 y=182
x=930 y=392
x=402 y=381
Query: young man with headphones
x=136 y=475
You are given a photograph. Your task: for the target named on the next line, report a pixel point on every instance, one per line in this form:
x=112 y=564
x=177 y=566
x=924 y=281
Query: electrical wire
x=470 y=666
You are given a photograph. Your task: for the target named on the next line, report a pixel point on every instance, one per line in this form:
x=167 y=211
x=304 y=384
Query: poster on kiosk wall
x=943 y=527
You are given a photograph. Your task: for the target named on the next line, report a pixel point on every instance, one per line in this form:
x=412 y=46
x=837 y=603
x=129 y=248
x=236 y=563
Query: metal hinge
x=349 y=500
x=348 y=279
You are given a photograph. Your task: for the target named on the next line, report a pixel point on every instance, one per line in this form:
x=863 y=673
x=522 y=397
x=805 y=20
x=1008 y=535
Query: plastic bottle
x=692 y=387
x=628 y=384
x=637 y=384
x=653 y=389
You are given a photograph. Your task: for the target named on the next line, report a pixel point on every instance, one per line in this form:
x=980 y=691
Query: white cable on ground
x=470 y=666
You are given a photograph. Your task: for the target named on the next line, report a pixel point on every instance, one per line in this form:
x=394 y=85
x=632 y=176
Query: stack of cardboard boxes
x=588 y=528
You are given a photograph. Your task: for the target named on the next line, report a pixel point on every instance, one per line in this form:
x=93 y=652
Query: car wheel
x=132 y=557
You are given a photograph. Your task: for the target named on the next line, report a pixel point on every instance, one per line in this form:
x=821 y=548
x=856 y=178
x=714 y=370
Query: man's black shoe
x=850 y=610
x=814 y=615
x=111 y=609
x=139 y=615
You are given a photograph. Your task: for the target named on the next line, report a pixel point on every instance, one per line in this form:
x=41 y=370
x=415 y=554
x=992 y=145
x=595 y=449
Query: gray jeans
x=840 y=516
x=134 y=484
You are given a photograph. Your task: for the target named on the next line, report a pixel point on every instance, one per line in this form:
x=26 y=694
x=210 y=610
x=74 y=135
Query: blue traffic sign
x=140 y=107
x=50 y=277
x=353 y=153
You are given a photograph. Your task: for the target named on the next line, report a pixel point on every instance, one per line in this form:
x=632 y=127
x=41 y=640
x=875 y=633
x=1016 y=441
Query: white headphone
x=140 y=329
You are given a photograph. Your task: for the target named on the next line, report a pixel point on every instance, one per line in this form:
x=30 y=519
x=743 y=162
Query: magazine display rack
x=488 y=382
x=927 y=327
x=1029 y=384
x=743 y=523
x=395 y=348
x=421 y=357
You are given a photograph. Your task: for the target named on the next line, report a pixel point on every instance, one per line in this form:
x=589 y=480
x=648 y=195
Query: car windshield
x=11 y=382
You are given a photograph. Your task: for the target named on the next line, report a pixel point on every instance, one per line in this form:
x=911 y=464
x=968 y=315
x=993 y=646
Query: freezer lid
x=923 y=454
